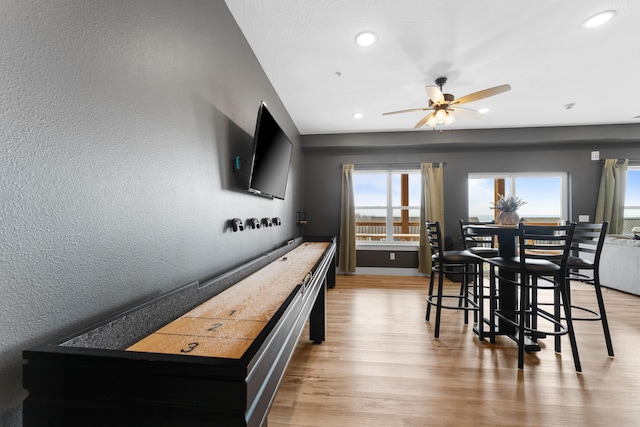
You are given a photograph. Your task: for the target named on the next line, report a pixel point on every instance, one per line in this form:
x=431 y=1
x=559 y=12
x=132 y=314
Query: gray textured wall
x=119 y=122
x=464 y=152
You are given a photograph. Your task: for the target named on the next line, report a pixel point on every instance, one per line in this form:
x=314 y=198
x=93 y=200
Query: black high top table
x=507 y=296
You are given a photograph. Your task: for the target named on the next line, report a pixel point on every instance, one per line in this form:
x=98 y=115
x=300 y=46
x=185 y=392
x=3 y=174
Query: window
x=387 y=205
x=545 y=194
x=632 y=200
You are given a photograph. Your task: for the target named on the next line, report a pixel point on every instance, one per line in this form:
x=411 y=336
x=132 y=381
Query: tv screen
x=271 y=157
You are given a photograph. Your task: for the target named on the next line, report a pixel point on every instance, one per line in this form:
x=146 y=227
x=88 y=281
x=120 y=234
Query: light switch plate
x=595 y=155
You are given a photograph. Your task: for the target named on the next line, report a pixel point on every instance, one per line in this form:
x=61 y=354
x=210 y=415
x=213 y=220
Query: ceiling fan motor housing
x=448 y=99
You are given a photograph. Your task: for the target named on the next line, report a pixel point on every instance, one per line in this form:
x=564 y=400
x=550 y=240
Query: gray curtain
x=613 y=185
x=347 y=247
x=431 y=208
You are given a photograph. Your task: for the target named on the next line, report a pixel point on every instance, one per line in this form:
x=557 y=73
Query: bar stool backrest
x=436 y=243
x=471 y=239
x=589 y=239
x=545 y=242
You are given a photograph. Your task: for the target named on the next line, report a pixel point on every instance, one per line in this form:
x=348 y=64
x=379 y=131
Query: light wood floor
x=381 y=366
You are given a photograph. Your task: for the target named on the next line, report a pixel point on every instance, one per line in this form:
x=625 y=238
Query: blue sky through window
x=542 y=194
x=370 y=189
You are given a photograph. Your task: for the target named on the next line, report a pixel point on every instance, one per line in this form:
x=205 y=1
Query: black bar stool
x=458 y=262
x=583 y=265
x=541 y=265
x=482 y=246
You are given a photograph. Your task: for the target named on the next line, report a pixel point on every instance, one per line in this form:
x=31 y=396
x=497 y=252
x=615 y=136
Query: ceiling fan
x=442 y=105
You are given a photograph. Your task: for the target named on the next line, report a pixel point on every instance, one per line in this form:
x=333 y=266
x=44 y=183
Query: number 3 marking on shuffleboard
x=192 y=345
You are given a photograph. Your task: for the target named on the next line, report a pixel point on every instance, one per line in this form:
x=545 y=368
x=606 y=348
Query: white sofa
x=620 y=263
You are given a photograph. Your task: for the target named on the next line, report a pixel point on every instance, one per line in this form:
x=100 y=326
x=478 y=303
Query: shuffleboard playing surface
x=226 y=325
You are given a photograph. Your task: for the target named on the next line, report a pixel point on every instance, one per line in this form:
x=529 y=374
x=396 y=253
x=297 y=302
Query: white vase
x=508 y=218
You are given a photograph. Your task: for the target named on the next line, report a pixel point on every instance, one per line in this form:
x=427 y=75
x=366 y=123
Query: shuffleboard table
x=210 y=354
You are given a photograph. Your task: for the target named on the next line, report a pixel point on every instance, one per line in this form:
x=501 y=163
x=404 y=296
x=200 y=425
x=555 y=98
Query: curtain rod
x=392 y=165
x=634 y=161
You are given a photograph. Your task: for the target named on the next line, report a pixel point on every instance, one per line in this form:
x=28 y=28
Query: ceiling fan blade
x=435 y=94
x=406 y=111
x=466 y=112
x=423 y=121
x=475 y=96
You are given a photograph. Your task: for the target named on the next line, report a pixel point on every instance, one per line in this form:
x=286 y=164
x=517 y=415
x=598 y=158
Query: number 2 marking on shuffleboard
x=214 y=327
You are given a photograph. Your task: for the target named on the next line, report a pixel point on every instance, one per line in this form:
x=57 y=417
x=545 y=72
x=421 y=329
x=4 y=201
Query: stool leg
x=556 y=307
x=439 y=303
x=533 y=308
x=430 y=295
x=464 y=293
x=478 y=292
x=492 y=304
x=567 y=312
x=522 y=320
x=603 y=314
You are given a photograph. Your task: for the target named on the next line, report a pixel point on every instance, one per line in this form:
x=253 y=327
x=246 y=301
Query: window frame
x=389 y=208
x=564 y=185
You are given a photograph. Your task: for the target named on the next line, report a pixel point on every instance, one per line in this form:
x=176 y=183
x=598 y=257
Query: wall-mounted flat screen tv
x=271 y=157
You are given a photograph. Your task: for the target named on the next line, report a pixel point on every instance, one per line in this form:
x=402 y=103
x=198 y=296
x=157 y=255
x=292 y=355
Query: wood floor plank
x=381 y=366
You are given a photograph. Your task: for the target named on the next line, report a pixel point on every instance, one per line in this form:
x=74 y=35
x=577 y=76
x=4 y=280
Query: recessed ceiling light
x=484 y=110
x=366 y=38
x=598 y=19
x=357 y=115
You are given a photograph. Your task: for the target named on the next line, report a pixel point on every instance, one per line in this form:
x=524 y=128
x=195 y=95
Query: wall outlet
x=583 y=218
x=392 y=256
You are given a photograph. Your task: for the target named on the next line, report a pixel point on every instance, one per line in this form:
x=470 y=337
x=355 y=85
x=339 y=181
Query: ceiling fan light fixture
x=598 y=19
x=449 y=119
x=440 y=115
x=366 y=38
x=432 y=122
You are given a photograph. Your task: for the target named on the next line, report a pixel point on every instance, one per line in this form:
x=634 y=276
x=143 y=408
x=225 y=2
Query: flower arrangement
x=508 y=203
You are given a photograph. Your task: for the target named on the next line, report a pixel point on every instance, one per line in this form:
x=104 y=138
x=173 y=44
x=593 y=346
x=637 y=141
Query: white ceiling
x=307 y=50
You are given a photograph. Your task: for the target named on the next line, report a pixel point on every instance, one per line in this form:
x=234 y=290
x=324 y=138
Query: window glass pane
x=632 y=197
x=414 y=189
x=396 y=189
x=371 y=224
x=543 y=196
x=632 y=200
x=481 y=199
x=406 y=225
x=370 y=189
